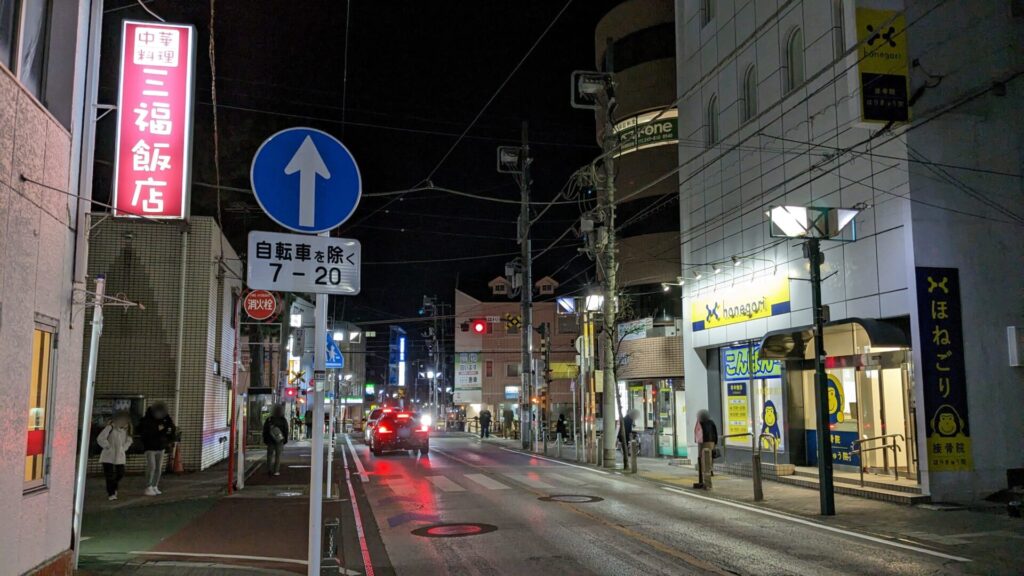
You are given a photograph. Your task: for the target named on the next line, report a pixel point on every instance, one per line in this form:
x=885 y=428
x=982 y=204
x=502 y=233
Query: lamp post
x=815 y=224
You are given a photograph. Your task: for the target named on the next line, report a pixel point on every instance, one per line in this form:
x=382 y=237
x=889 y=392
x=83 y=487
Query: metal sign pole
x=90 y=388
x=316 y=471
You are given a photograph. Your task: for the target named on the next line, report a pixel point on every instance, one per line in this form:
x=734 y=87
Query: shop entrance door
x=887 y=419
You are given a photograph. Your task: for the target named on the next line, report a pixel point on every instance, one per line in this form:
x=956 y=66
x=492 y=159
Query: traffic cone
x=177 y=467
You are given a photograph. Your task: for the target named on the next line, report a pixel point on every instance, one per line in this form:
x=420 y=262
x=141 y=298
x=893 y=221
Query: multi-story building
x=635 y=42
x=881 y=107
x=488 y=364
x=179 y=349
x=41 y=233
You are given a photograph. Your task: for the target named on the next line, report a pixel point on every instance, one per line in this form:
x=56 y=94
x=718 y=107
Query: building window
x=7 y=29
x=512 y=370
x=39 y=403
x=500 y=289
x=707 y=12
x=750 y=93
x=794 y=60
x=489 y=368
x=711 y=120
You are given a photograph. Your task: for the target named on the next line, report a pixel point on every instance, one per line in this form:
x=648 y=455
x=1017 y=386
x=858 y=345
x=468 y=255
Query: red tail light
x=403 y=416
x=383 y=429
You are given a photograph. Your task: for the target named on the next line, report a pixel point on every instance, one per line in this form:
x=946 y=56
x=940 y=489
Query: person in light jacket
x=115 y=440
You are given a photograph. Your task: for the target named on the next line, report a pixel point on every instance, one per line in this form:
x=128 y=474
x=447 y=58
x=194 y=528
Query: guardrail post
x=634 y=451
x=755 y=461
x=329 y=563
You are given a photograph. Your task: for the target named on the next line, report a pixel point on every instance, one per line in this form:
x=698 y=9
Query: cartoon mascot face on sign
x=835 y=400
x=770 y=421
x=946 y=422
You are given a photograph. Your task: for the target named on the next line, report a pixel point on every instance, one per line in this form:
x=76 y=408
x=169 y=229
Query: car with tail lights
x=400 y=430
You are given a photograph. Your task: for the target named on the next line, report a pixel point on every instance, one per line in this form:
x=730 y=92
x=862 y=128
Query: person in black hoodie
x=275 y=436
x=158 y=434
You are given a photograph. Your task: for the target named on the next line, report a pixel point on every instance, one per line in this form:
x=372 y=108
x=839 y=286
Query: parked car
x=375 y=415
x=400 y=431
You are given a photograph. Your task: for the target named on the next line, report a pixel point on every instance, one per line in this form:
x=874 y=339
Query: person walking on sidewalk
x=309 y=423
x=485 y=423
x=158 y=434
x=561 y=428
x=115 y=440
x=275 y=436
x=706 y=435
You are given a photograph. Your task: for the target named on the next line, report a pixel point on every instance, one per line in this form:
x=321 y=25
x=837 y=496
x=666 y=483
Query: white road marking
x=817 y=525
x=444 y=483
x=553 y=460
x=402 y=487
x=562 y=480
x=211 y=555
x=531 y=482
x=359 y=464
x=364 y=548
x=486 y=482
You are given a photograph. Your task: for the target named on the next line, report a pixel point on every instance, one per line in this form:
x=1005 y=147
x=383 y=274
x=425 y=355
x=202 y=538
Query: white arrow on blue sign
x=306 y=180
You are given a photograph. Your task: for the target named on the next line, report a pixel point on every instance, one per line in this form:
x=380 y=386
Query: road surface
x=472 y=508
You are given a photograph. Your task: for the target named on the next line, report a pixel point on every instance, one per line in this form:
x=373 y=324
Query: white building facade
x=776 y=107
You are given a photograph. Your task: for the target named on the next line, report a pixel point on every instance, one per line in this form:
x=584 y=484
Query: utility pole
x=526 y=372
x=596 y=91
x=607 y=255
x=516 y=161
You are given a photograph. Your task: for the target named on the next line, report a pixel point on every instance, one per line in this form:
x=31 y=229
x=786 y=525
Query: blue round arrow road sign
x=306 y=180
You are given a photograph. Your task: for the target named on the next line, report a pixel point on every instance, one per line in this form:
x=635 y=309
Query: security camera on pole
x=308 y=182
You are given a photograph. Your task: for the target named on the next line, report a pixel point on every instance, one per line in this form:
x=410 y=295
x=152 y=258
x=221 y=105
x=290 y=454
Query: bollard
x=707 y=461
x=755 y=471
x=634 y=451
x=558 y=446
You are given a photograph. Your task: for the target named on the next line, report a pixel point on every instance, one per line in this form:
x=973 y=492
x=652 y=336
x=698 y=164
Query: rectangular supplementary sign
x=746 y=301
x=943 y=375
x=153 y=149
x=303 y=263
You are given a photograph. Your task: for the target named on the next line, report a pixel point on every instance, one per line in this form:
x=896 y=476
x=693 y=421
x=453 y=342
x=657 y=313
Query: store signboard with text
x=742 y=302
x=468 y=384
x=752 y=397
x=153 y=143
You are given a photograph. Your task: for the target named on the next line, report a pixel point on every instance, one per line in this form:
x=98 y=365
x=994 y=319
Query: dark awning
x=791 y=343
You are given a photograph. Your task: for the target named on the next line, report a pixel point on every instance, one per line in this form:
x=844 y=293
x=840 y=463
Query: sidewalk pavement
x=195 y=528
x=985 y=534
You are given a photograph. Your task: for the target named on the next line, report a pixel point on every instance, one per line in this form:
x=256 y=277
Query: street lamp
x=815 y=224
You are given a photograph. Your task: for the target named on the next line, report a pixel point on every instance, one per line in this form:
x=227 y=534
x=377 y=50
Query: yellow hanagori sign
x=882 y=65
x=746 y=301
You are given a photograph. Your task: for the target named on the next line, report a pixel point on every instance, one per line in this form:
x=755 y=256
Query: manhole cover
x=454 y=530
x=571 y=498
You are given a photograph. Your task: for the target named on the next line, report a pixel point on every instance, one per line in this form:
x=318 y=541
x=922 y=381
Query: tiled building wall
x=36 y=253
x=137 y=353
x=646 y=358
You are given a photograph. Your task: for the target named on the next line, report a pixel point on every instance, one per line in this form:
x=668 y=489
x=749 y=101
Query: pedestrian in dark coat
x=561 y=428
x=158 y=434
x=275 y=436
x=485 y=423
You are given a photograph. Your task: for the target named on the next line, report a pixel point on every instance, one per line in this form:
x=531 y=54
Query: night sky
x=418 y=72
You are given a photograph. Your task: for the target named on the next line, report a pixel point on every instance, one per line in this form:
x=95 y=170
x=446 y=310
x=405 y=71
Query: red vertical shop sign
x=154 y=120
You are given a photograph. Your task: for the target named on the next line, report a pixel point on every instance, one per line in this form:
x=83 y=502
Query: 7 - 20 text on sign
x=303 y=263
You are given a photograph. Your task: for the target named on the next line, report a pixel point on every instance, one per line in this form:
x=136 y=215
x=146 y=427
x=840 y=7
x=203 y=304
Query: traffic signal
x=291 y=392
x=477 y=326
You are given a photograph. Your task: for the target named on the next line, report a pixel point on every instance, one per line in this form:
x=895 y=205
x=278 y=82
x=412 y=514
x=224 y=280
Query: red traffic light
x=291 y=392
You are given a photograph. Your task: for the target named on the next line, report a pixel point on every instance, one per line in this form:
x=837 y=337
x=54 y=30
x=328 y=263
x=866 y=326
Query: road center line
x=521 y=453
x=359 y=464
x=818 y=525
